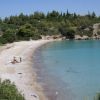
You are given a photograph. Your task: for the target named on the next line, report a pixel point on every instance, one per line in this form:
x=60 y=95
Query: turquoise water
x=69 y=70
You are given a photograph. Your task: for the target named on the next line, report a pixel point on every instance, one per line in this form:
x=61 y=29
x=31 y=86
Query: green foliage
x=82 y=32
x=8 y=36
x=53 y=23
x=8 y=91
x=26 y=32
x=39 y=15
x=68 y=33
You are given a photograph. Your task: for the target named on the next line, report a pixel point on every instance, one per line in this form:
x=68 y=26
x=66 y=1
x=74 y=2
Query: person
x=20 y=59
x=14 y=60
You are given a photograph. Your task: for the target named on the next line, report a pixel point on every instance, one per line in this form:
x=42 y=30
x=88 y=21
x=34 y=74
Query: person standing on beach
x=20 y=59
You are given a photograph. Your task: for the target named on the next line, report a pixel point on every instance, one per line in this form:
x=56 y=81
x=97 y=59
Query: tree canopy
x=24 y=27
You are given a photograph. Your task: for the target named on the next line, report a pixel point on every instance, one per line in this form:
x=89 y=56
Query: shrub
x=26 y=32
x=3 y=40
x=67 y=32
x=8 y=91
x=9 y=37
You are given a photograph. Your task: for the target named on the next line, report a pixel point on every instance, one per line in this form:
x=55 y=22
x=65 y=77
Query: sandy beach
x=22 y=74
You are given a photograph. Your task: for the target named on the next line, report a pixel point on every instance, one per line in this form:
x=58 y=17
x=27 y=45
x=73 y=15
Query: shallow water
x=69 y=70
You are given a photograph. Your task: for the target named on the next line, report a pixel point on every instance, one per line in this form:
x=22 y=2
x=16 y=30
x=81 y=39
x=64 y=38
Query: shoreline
x=22 y=74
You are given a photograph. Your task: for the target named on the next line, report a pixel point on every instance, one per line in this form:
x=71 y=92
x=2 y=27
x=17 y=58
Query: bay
x=69 y=70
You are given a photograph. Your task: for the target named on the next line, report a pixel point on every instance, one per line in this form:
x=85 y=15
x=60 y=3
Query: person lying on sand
x=16 y=61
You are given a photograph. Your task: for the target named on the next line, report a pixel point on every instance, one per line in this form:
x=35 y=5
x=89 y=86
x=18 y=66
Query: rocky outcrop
x=96 y=28
x=84 y=37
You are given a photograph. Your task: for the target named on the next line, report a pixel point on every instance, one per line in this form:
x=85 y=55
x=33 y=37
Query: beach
x=22 y=73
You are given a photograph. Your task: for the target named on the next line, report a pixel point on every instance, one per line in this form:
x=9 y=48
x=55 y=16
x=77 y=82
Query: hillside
x=33 y=26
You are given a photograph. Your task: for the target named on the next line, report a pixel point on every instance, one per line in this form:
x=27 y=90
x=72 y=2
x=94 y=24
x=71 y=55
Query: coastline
x=22 y=74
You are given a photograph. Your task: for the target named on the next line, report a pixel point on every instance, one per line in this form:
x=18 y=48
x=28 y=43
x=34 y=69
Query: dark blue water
x=69 y=70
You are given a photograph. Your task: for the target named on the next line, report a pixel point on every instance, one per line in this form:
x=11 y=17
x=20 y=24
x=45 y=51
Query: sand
x=22 y=74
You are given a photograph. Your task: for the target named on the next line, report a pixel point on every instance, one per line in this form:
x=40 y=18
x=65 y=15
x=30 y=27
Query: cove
x=69 y=70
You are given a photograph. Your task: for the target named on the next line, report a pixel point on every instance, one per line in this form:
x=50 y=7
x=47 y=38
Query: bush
x=36 y=37
x=67 y=32
x=8 y=37
x=3 y=40
x=26 y=32
x=8 y=91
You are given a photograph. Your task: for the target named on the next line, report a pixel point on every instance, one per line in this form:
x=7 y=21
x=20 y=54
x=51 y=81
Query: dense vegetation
x=8 y=91
x=24 y=27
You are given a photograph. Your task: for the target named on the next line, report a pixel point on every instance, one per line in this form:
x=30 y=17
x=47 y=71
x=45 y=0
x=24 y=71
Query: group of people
x=16 y=60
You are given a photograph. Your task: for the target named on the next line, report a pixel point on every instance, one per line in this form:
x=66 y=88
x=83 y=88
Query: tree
x=67 y=13
x=93 y=15
x=75 y=15
x=39 y=15
x=54 y=15
x=0 y=20
x=26 y=32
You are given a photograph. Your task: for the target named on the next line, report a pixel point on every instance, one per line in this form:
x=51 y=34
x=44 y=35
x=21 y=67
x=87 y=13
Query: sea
x=69 y=69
